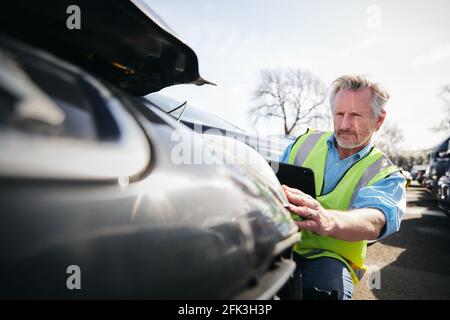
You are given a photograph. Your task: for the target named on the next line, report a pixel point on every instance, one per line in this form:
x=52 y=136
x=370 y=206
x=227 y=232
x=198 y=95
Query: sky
x=404 y=45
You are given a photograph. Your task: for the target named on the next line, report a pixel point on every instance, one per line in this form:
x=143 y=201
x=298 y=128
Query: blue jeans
x=321 y=278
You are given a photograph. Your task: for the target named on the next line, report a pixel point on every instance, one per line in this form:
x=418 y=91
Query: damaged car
x=101 y=195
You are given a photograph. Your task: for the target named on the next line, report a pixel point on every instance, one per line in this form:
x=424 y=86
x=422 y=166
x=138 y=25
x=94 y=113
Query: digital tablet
x=295 y=177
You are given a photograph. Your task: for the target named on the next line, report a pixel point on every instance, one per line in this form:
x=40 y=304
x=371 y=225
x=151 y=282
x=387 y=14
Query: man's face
x=354 y=121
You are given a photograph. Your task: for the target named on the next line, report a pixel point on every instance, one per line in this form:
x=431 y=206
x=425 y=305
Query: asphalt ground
x=414 y=263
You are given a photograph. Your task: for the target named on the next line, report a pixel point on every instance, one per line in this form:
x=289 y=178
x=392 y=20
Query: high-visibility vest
x=310 y=150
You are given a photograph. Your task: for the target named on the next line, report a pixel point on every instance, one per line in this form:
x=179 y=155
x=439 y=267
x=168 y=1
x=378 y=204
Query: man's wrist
x=334 y=227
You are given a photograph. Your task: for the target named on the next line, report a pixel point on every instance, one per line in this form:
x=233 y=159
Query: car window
x=191 y=114
x=200 y=117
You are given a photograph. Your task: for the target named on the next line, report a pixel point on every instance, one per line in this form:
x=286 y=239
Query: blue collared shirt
x=387 y=195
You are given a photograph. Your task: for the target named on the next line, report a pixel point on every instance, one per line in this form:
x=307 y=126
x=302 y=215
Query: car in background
x=443 y=193
x=438 y=164
x=418 y=171
x=89 y=179
x=270 y=147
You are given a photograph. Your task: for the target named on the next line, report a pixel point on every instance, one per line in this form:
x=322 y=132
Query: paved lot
x=415 y=262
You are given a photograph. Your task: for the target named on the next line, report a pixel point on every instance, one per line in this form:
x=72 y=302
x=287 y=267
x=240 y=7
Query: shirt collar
x=361 y=153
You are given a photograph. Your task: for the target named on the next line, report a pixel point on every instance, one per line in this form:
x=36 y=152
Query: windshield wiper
x=184 y=104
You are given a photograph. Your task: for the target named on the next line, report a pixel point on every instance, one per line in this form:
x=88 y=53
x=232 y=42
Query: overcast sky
x=405 y=45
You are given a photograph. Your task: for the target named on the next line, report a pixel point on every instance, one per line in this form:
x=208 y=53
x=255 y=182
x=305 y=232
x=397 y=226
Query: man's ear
x=380 y=119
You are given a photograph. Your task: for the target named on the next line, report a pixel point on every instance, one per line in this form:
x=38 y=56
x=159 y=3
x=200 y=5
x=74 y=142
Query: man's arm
x=358 y=224
x=355 y=225
x=378 y=212
x=388 y=196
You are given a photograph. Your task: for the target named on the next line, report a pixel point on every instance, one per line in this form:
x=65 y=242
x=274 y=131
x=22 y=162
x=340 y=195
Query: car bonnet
x=123 y=42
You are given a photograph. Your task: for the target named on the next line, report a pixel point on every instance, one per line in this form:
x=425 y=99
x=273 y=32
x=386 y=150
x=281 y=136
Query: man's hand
x=315 y=217
x=355 y=225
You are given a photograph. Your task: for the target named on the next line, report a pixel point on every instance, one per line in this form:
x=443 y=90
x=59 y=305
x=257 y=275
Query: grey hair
x=380 y=96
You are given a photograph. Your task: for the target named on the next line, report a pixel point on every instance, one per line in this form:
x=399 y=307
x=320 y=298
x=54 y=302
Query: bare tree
x=444 y=125
x=407 y=159
x=389 y=139
x=293 y=96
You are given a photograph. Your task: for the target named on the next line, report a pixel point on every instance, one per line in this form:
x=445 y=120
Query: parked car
x=437 y=166
x=426 y=176
x=270 y=147
x=88 y=179
x=418 y=171
x=443 y=194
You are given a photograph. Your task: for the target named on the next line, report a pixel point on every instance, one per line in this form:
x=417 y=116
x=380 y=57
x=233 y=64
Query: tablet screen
x=295 y=177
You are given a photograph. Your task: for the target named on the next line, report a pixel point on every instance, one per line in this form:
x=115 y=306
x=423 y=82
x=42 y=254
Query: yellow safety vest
x=310 y=150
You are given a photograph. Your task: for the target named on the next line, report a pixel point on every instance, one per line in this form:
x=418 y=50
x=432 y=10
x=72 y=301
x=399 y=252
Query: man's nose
x=346 y=121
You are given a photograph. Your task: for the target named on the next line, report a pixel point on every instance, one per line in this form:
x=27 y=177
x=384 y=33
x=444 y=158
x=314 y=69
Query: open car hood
x=123 y=42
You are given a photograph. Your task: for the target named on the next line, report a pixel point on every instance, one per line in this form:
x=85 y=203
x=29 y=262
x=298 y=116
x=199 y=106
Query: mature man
x=360 y=193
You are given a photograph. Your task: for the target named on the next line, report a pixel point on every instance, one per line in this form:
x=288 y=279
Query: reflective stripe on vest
x=366 y=171
x=369 y=174
x=307 y=146
x=301 y=152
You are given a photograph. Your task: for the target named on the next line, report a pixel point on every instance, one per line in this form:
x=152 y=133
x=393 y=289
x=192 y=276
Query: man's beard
x=348 y=145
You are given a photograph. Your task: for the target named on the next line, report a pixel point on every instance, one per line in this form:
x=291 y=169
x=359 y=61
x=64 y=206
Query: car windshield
x=191 y=114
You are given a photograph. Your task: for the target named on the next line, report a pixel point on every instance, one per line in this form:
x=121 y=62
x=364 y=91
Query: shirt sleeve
x=285 y=156
x=389 y=196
